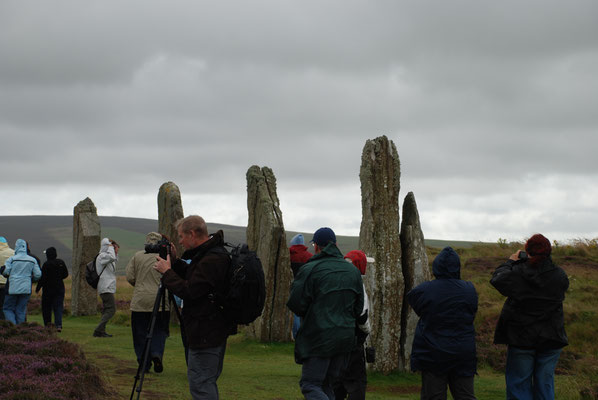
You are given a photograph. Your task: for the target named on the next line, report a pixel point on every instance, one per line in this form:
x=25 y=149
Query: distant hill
x=43 y=231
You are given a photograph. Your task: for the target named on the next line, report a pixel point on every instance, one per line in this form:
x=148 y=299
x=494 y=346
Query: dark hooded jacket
x=532 y=316
x=328 y=294
x=197 y=283
x=54 y=271
x=444 y=340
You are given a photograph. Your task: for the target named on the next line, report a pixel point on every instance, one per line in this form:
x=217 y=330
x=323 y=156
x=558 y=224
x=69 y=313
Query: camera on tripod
x=162 y=248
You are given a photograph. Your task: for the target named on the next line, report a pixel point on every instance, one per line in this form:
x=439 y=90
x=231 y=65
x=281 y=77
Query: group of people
x=19 y=269
x=330 y=312
x=531 y=324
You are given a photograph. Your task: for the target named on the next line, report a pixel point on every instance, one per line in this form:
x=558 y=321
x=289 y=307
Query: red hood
x=299 y=253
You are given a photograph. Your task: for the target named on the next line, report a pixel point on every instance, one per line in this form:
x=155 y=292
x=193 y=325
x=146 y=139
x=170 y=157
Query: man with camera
x=141 y=274
x=198 y=277
x=328 y=294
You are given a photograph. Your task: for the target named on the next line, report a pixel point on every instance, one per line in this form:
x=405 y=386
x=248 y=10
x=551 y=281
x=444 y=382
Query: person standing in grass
x=444 y=348
x=54 y=271
x=531 y=323
x=299 y=256
x=353 y=381
x=106 y=268
x=141 y=274
x=328 y=295
x=198 y=282
x=5 y=253
x=21 y=270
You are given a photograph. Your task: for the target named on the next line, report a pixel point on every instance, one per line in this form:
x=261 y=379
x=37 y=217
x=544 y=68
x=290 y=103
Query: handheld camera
x=162 y=248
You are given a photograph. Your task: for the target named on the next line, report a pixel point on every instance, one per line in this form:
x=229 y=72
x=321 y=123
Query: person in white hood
x=106 y=269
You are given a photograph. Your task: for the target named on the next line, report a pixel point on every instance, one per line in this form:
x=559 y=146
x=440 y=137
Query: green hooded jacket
x=327 y=294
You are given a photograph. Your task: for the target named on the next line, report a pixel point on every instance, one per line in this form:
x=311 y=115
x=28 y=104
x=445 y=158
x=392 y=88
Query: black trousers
x=353 y=380
x=1 y=302
x=434 y=386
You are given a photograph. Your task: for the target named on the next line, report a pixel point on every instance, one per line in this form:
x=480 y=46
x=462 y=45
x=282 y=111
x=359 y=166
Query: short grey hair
x=193 y=223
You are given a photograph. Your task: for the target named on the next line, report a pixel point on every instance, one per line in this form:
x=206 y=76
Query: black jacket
x=54 y=271
x=532 y=316
x=205 y=324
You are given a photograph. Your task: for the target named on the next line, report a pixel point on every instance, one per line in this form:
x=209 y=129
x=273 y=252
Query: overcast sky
x=492 y=105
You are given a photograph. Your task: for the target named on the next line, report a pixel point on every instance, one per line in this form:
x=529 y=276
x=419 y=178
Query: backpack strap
x=95 y=260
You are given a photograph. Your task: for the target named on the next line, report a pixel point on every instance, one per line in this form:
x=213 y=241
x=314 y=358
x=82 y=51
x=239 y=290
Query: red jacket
x=299 y=256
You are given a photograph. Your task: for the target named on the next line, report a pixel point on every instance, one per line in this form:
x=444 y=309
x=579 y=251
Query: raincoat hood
x=20 y=246
x=51 y=253
x=105 y=245
x=447 y=264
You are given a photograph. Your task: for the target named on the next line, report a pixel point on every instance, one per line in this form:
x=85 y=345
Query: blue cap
x=2 y=239
x=297 y=239
x=323 y=236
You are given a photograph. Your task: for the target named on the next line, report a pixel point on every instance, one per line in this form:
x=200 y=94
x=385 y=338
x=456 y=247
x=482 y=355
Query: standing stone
x=170 y=210
x=415 y=271
x=86 y=245
x=379 y=238
x=266 y=236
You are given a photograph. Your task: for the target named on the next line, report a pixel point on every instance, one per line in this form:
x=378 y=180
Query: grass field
x=251 y=370
x=255 y=370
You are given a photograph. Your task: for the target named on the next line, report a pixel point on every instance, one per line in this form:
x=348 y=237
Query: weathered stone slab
x=415 y=271
x=170 y=210
x=86 y=245
x=266 y=236
x=379 y=238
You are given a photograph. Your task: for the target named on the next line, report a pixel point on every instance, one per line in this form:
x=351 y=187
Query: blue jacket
x=444 y=340
x=22 y=269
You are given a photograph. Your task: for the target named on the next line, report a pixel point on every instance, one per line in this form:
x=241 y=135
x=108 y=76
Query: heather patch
x=35 y=364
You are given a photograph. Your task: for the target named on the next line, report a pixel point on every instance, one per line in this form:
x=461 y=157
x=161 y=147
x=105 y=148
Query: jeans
x=203 y=370
x=530 y=373
x=140 y=323
x=15 y=307
x=319 y=374
x=434 y=386
x=108 y=311
x=2 y=302
x=55 y=303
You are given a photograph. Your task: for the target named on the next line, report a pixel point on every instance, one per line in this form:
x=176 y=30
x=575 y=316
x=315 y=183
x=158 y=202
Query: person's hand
x=162 y=265
x=515 y=256
x=173 y=250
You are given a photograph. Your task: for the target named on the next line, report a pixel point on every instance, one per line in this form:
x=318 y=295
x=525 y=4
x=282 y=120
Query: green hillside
x=44 y=231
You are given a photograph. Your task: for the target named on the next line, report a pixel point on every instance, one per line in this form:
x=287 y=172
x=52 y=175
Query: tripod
x=160 y=299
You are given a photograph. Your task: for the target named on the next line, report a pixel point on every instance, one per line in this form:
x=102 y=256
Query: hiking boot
x=101 y=334
x=158 y=367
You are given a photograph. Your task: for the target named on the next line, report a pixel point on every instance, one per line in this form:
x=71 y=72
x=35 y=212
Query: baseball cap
x=323 y=236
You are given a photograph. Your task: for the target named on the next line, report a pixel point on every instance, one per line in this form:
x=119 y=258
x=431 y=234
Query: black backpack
x=91 y=275
x=244 y=301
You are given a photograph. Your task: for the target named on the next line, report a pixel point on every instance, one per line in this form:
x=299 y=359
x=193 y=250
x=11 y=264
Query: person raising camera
x=197 y=277
x=531 y=323
x=106 y=269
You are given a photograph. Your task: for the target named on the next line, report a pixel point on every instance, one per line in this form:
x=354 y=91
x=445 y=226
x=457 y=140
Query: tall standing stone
x=86 y=245
x=415 y=271
x=379 y=237
x=170 y=210
x=266 y=236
